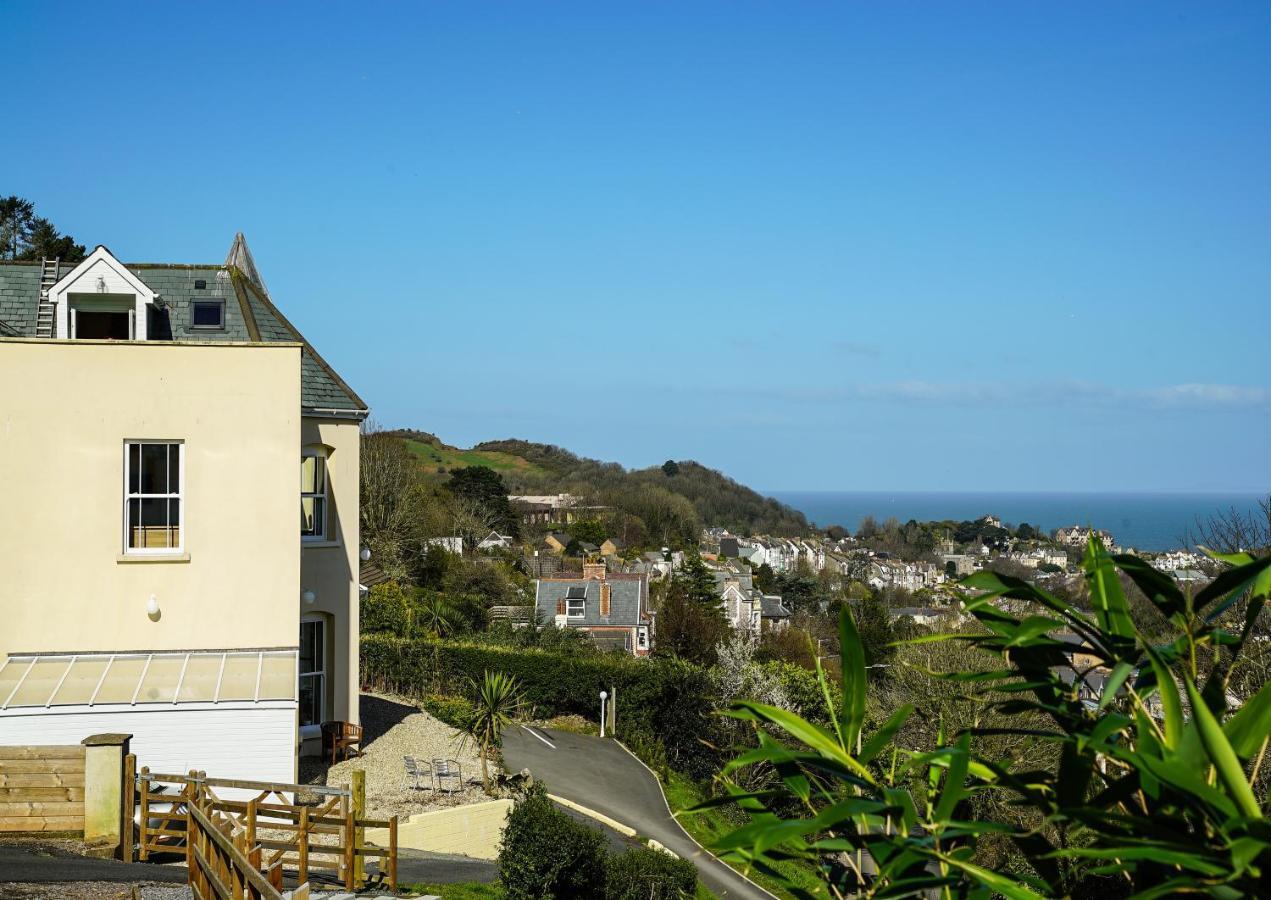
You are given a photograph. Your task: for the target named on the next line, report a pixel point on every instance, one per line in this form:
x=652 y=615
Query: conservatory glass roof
x=199 y=676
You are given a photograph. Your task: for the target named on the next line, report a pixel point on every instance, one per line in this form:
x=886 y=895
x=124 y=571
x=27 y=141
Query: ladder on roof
x=44 y=324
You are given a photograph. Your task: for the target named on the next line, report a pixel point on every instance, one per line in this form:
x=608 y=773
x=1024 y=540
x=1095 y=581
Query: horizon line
x=1022 y=492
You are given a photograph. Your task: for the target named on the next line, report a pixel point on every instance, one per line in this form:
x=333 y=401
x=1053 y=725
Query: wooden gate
x=223 y=864
x=42 y=788
x=326 y=838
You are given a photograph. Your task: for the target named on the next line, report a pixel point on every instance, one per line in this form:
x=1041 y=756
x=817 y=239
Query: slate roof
x=624 y=600
x=369 y=575
x=249 y=316
x=773 y=608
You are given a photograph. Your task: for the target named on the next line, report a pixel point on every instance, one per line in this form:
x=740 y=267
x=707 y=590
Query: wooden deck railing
x=327 y=837
x=223 y=864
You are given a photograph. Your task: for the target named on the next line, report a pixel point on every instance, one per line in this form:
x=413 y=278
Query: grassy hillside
x=437 y=457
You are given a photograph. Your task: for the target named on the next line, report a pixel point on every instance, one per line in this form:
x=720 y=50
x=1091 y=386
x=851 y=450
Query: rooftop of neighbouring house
x=627 y=600
x=249 y=315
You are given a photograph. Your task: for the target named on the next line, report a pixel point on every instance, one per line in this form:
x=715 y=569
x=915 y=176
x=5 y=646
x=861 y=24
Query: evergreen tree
x=15 y=225
x=45 y=241
x=696 y=581
x=484 y=487
x=24 y=235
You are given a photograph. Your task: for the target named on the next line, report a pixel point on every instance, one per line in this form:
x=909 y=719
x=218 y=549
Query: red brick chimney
x=594 y=571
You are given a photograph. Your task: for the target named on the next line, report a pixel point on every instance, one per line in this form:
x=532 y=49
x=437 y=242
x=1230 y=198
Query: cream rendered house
x=160 y=425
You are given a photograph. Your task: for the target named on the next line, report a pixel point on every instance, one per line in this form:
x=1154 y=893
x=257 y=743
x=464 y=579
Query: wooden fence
x=326 y=838
x=42 y=788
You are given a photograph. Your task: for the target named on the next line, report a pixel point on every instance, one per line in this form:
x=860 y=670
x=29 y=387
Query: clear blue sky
x=1009 y=246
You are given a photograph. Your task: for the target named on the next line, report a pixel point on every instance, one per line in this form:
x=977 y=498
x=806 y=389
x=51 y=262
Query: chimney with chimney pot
x=594 y=571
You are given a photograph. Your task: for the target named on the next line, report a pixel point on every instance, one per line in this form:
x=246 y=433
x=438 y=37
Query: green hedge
x=664 y=706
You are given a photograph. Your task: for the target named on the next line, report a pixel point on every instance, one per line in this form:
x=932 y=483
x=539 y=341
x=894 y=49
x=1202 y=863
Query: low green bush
x=456 y=712
x=546 y=854
x=644 y=874
x=387 y=608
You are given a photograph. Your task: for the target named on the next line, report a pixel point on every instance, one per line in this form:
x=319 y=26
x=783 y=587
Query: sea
x=1152 y=522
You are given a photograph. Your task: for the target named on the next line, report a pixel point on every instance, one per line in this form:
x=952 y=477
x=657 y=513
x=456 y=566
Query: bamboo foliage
x=1151 y=793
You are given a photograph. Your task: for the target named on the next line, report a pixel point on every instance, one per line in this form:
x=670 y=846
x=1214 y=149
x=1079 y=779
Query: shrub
x=456 y=712
x=545 y=853
x=387 y=608
x=644 y=874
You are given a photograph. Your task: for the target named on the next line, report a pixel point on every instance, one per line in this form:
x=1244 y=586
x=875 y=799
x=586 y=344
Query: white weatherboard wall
x=247 y=741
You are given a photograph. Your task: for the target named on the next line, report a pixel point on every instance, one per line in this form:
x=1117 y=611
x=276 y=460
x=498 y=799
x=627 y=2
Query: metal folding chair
x=444 y=770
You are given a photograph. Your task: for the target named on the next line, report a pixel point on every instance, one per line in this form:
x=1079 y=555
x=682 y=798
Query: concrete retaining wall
x=473 y=830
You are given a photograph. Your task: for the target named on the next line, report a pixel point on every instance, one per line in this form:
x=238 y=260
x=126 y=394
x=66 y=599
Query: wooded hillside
x=688 y=493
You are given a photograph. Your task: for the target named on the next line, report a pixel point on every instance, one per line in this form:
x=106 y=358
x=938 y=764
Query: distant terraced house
x=163 y=424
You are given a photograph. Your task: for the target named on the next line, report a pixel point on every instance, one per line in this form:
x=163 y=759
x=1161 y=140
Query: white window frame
x=569 y=609
x=320 y=674
x=323 y=495
x=179 y=496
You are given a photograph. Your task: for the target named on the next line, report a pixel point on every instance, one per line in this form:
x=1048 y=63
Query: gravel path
x=396 y=727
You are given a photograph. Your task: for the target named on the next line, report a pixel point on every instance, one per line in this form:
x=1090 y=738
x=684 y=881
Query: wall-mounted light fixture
x=101 y=284
x=152 y=607
x=308 y=596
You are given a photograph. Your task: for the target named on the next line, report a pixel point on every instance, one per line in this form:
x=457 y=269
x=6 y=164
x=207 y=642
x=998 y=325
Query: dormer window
x=207 y=315
x=102 y=317
x=576 y=603
x=101 y=299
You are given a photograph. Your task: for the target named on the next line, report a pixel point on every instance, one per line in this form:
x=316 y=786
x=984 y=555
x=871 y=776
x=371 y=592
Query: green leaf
x=811 y=735
x=1236 y=581
x=1171 y=701
x=1106 y=596
x=1221 y=754
x=1155 y=584
x=1005 y=886
x=1031 y=627
x=1249 y=727
x=852 y=654
x=1120 y=673
x=1184 y=857
x=882 y=737
x=954 y=780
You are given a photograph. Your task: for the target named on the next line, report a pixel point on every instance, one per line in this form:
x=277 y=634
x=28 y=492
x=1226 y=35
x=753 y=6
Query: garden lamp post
x=603 y=695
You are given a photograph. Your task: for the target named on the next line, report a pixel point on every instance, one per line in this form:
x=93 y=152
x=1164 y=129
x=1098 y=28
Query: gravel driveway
x=396 y=727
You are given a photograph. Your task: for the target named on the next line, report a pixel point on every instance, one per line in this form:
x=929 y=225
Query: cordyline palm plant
x=1151 y=792
x=498 y=704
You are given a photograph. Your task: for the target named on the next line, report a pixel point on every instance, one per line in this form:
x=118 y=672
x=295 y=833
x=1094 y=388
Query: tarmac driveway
x=28 y=862
x=600 y=774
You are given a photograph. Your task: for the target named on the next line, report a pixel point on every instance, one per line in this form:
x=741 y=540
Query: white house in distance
x=162 y=425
